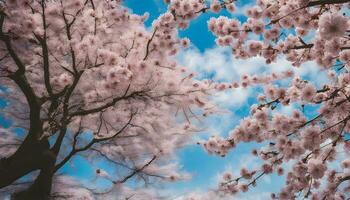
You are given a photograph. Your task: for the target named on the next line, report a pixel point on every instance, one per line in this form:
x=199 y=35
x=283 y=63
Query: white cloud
x=221 y=64
x=232 y=98
x=241 y=10
x=255 y=196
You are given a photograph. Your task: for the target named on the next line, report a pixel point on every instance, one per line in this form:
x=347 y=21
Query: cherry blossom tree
x=86 y=77
x=311 y=150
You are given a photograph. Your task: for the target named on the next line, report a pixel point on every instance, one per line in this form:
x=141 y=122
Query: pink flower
x=233 y=188
x=344 y=56
x=261 y=115
x=301 y=31
x=261 y=98
x=311 y=137
x=286 y=22
x=345 y=163
x=212 y=24
x=308 y=92
x=231 y=7
x=332 y=25
x=299 y=170
x=267 y=168
x=254 y=12
x=185 y=42
x=227 y=176
x=280 y=171
x=316 y=168
x=215 y=6
x=254 y=47
x=270 y=91
x=245 y=173
x=257 y=26
x=244 y=187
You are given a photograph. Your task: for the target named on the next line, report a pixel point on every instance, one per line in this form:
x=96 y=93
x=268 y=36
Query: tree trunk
x=26 y=159
x=41 y=188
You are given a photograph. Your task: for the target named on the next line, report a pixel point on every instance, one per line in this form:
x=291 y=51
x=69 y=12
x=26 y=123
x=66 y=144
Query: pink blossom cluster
x=308 y=141
x=255 y=80
x=272 y=21
x=299 y=31
x=186 y=10
x=218 y=146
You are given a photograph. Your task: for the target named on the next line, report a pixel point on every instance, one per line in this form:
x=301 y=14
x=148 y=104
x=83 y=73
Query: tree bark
x=41 y=188
x=26 y=159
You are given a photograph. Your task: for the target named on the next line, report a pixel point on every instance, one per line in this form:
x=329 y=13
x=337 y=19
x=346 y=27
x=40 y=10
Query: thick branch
x=27 y=158
x=41 y=188
x=107 y=105
x=45 y=52
x=323 y=2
